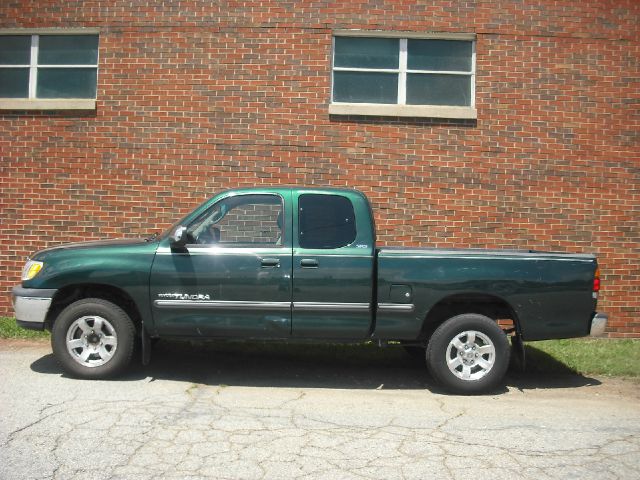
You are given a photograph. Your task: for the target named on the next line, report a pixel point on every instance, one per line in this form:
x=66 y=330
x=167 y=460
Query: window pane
x=244 y=220
x=14 y=82
x=15 y=49
x=427 y=89
x=358 y=52
x=326 y=221
x=448 y=55
x=66 y=83
x=365 y=87
x=68 y=50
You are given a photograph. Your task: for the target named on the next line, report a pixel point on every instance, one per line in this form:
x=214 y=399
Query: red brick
x=200 y=96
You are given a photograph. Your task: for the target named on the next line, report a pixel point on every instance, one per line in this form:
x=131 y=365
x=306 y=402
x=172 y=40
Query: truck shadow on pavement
x=259 y=364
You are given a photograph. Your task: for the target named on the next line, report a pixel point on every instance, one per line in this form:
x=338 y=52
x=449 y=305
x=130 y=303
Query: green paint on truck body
x=549 y=294
x=287 y=291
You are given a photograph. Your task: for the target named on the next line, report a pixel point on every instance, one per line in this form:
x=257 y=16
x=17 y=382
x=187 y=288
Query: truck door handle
x=309 y=263
x=270 y=262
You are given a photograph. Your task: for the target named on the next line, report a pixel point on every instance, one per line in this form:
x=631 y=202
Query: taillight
x=596 y=281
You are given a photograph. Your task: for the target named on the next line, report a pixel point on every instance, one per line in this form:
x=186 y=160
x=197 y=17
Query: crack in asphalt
x=200 y=434
x=189 y=430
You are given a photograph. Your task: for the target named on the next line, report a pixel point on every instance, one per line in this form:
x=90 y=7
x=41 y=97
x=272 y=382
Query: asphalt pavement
x=232 y=413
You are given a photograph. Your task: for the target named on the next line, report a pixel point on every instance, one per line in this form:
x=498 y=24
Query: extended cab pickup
x=302 y=263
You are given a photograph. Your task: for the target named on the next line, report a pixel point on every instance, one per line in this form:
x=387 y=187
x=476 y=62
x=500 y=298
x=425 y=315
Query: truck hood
x=113 y=243
x=119 y=263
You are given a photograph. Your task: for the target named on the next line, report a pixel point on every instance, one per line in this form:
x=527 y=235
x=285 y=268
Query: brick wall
x=197 y=96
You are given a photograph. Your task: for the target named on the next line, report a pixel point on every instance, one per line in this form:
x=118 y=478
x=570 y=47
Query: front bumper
x=31 y=306
x=598 y=324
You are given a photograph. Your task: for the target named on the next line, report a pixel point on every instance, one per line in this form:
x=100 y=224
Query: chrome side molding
x=222 y=304
x=396 y=307
x=328 y=306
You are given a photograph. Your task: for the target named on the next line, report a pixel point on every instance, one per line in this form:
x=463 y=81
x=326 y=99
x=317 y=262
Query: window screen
x=326 y=221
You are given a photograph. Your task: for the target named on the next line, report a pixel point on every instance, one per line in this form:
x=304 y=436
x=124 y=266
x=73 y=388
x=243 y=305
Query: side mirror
x=179 y=237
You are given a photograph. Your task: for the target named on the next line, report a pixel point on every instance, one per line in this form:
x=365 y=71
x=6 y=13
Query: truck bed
x=550 y=291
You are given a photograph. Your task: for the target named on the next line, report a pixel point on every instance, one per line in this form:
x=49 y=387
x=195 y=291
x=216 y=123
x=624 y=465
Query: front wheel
x=93 y=338
x=468 y=354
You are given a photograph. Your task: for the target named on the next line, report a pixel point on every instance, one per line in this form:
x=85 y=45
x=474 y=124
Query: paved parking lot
x=227 y=412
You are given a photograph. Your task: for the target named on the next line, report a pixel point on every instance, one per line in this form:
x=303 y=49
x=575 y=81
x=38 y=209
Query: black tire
x=476 y=369
x=102 y=330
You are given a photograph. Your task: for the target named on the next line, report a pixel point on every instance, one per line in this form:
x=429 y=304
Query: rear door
x=332 y=266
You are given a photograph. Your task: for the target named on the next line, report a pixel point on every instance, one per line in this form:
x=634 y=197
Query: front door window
x=240 y=221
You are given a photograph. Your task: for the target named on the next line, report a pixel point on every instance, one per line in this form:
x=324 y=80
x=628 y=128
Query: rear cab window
x=325 y=221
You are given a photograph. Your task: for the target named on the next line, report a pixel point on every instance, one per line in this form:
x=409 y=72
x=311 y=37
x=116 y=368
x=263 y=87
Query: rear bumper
x=598 y=324
x=31 y=306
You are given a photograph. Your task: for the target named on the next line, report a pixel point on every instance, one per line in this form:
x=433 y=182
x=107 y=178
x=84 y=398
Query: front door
x=233 y=278
x=332 y=267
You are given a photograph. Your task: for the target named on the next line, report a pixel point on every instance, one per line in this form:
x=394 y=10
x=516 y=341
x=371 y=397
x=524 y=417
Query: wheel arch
x=489 y=305
x=69 y=294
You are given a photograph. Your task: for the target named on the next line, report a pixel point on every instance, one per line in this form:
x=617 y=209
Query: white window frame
x=32 y=102
x=401 y=109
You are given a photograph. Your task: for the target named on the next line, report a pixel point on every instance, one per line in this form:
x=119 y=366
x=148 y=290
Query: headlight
x=31 y=269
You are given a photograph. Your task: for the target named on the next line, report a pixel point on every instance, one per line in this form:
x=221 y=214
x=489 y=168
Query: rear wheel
x=93 y=338
x=468 y=354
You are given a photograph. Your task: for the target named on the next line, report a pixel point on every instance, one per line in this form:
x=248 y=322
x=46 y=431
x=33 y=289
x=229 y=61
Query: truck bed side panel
x=549 y=293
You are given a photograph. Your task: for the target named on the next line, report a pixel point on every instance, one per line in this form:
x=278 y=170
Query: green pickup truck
x=302 y=264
